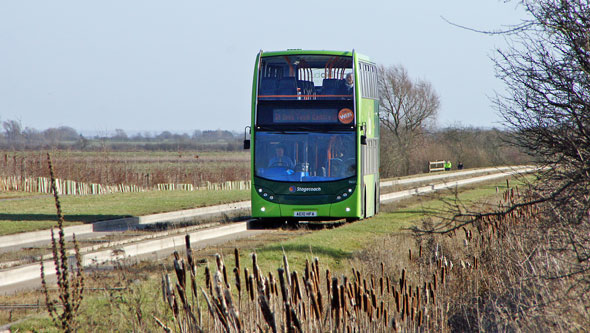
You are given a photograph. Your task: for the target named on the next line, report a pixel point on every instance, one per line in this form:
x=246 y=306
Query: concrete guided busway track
x=14 y=277
x=10 y=242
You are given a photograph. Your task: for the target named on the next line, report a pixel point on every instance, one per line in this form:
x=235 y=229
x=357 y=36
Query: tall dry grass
x=511 y=271
x=314 y=300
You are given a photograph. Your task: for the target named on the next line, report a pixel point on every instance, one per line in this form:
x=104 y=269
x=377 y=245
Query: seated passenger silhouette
x=349 y=83
x=280 y=160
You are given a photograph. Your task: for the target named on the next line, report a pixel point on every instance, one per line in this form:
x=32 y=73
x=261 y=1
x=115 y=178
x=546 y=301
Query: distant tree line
x=14 y=137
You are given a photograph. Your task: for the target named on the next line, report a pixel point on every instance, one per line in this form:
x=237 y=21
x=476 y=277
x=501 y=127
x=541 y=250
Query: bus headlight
x=347 y=209
x=262 y=209
x=266 y=194
x=344 y=193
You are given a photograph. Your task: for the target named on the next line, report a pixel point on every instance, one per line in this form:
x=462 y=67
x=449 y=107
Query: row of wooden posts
x=70 y=187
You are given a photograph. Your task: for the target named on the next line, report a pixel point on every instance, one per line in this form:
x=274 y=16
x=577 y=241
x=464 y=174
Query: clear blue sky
x=144 y=65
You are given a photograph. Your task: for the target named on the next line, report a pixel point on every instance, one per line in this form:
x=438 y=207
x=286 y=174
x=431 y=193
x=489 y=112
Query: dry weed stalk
x=70 y=280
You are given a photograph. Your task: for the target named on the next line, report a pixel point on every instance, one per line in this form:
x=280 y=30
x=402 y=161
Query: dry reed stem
x=70 y=282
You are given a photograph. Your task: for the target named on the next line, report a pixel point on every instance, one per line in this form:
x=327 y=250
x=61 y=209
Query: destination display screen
x=319 y=113
x=305 y=116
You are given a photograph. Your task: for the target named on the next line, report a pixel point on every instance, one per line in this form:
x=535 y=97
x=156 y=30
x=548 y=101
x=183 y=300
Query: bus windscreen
x=305 y=156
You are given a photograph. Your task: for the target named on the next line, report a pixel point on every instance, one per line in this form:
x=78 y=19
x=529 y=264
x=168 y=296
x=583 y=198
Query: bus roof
x=312 y=52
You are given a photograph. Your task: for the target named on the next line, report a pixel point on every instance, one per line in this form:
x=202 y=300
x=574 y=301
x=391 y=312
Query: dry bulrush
x=180 y=269
x=358 y=304
x=237 y=258
x=255 y=269
x=265 y=308
x=225 y=279
x=297 y=296
x=235 y=315
x=208 y=279
x=335 y=302
x=246 y=279
x=343 y=303
x=189 y=255
x=290 y=316
x=296 y=321
x=251 y=286
x=314 y=303
x=286 y=267
x=402 y=280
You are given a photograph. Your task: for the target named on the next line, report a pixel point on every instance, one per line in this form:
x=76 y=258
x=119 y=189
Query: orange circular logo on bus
x=345 y=116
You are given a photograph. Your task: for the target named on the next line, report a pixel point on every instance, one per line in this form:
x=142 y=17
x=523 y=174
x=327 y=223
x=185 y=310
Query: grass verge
x=338 y=249
x=36 y=213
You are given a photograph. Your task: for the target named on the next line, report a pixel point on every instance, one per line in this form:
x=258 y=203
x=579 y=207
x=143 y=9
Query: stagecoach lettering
x=308 y=189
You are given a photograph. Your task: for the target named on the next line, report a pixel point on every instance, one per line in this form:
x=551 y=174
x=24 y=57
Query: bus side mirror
x=247 y=141
x=363 y=140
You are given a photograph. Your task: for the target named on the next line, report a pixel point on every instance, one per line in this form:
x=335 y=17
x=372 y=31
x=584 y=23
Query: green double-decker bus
x=314 y=136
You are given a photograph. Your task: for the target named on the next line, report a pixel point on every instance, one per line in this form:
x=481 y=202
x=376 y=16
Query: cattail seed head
x=238 y=280
x=287 y=271
x=237 y=258
x=219 y=262
x=246 y=275
x=207 y=277
x=225 y=279
x=255 y=266
x=251 y=286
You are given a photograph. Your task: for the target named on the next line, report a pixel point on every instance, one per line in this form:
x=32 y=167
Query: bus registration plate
x=305 y=213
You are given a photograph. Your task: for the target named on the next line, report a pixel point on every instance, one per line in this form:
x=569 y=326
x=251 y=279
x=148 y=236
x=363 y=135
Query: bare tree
x=13 y=130
x=548 y=101
x=406 y=108
x=546 y=107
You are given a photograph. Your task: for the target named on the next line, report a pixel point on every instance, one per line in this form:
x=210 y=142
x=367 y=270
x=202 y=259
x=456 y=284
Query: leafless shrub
x=510 y=268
